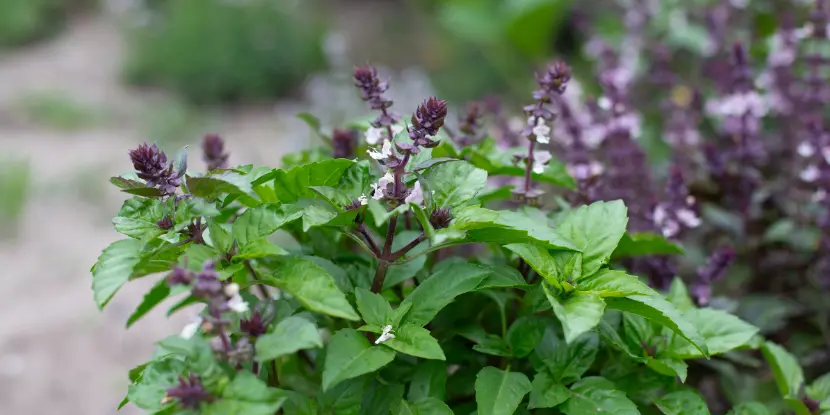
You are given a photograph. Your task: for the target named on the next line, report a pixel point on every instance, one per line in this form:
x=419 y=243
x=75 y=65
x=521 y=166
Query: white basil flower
x=805 y=149
x=191 y=328
x=541 y=131
x=380 y=186
x=809 y=174
x=237 y=304
x=374 y=135
x=385 y=335
x=385 y=151
x=416 y=195
x=540 y=161
x=232 y=290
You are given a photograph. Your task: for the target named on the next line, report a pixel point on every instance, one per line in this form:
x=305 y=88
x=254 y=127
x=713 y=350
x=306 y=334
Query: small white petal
x=375 y=154
x=819 y=195
x=542 y=157
x=688 y=217
x=595 y=169
x=809 y=174
x=190 y=329
x=374 y=135
x=415 y=196
x=604 y=103
x=363 y=199
x=237 y=304
x=387 y=148
x=387 y=179
x=670 y=229
x=805 y=149
x=232 y=289
x=384 y=337
x=396 y=129
x=660 y=215
x=825 y=152
x=386 y=329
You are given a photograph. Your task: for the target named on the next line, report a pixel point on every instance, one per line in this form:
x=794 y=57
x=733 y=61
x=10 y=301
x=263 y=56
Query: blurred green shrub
x=483 y=44
x=14 y=189
x=226 y=50
x=58 y=110
x=22 y=21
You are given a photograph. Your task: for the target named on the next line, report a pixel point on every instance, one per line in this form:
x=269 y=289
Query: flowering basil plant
x=412 y=268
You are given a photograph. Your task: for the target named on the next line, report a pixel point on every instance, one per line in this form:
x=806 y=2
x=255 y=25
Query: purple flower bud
x=470 y=125
x=344 y=143
x=426 y=121
x=812 y=405
x=372 y=89
x=553 y=81
x=715 y=269
x=151 y=166
x=165 y=223
x=180 y=276
x=256 y=325
x=195 y=230
x=214 y=152
x=190 y=393
x=440 y=218
x=208 y=286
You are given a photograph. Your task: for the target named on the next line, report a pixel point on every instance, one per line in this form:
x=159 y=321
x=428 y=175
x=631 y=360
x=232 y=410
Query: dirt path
x=58 y=354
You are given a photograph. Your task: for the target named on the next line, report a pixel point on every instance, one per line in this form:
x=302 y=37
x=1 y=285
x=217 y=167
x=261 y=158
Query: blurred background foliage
x=23 y=21
x=215 y=58
x=219 y=50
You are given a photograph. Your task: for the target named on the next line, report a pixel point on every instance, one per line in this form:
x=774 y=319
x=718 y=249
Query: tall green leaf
x=656 y=309
x=682 y=402
x=428 y=406
x=454 y=183
x=295 y=184
x=524 y=334
x=679 y=295
x=595 y=230
x=820 y=390
x=428 y=381
x=264 y=220
x=578 y=312
x=214 y=186
x=313 y=287
x=248 y=395
x=349 y=355
x=292 y=334
x=540 y=260
x=415 y=340
x=644 y=243
x=381 y=398
x=547 y=392
x=596 y=395
x=441 y=289
x=113 y=269
x=785 y=367
x=566 y=363
x=721 y=331
x=154 y=297
x=750 y=408
x=612 y=283
x=138 y=216
x=148 y=391
x=374 y=309
x=499 y=392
